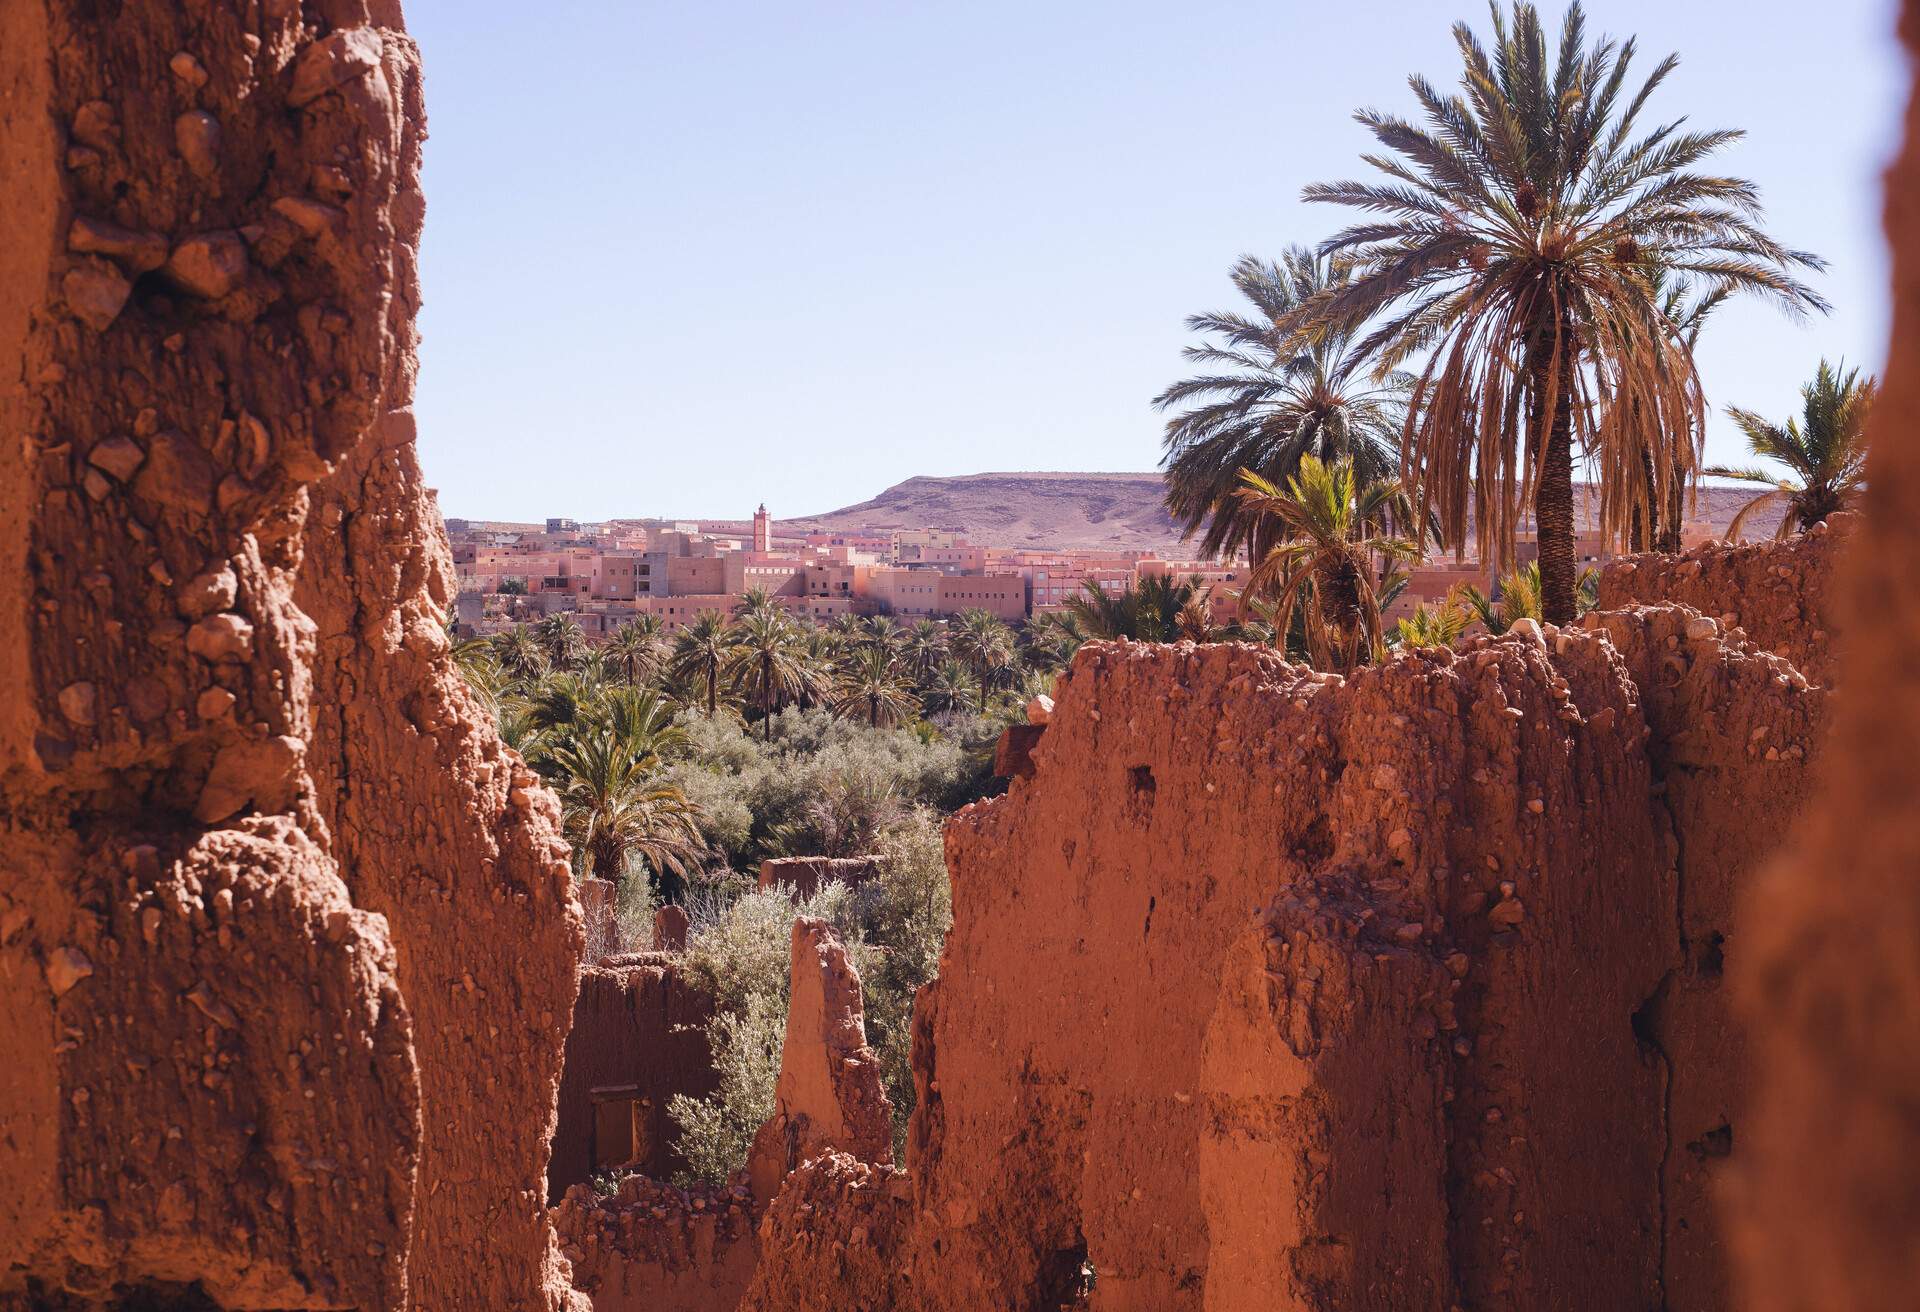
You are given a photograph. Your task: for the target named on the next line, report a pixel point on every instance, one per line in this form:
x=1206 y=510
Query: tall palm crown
x=1511 y=244
x=768 y=660
x=700 y=654
x=1332 y=529
x=614 y=806
x=1825 y=456
x=519 y=652
x=560 y=638
x=1268 y=397
x=872 y=686
x=984 y=643
x=637 y=649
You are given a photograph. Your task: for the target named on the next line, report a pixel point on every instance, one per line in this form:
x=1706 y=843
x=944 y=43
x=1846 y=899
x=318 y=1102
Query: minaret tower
x=763 y=530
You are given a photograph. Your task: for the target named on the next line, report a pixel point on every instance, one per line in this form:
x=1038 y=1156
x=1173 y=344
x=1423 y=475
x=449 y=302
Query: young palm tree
x=1826 y=456
x=1517 y=597
x=1268 y=397
x=871 y=686
x=1330 y=532
x=637 y=649
x=560 y=701
x=519 y=653
x=1512 y=244
x=1195 y=621
x=768 y=662
x=1438 y=627
x=560 y=638
x=614 y=807
x=984 y=642
x=700 y=653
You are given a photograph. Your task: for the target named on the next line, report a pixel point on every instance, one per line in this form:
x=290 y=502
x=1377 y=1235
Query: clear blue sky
x=684 y=257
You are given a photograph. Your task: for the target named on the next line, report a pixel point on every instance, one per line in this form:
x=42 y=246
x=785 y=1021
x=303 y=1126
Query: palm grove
x=1520 y=287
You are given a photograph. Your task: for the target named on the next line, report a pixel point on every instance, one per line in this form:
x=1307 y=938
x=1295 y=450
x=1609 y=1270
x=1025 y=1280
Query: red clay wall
x=1271 y=989
x=637 y=1024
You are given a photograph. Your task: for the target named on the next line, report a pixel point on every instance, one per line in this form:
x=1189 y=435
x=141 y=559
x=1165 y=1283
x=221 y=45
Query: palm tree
x=644 y=720
x=559 y=701
x=519 y=653
x=947 y=690
x=767 y=661
x=700 y=653
x=637 y=648
x=1826 y=455
x=614 y=807
x=1147 y=611
x=1053 y=637
x=1511 y=244
x=1657 y=524
x=756 y=600
x=1268 y=397
x=1330 y=531
x=924 y=647
x=870 y=685
x=882 y=631
x=560 y=638
x=984 y=642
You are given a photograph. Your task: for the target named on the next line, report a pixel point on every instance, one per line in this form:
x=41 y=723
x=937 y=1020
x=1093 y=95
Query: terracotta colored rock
x=333 y=61
x=138 y=252
x=800 y=877
x=670 y=926
x=315 y=1061
x=829 y=1094
x=197 y=135
x=96 y=292
x=1013 y=755
x=210 y=264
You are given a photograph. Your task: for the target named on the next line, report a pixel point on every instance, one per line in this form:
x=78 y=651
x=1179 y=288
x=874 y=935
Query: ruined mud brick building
x=1409 y=990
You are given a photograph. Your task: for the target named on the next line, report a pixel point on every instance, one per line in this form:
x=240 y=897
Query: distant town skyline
x=749 y=250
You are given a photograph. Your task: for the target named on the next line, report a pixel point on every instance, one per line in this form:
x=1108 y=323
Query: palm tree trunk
x=1669 y=536
x=1553 y=494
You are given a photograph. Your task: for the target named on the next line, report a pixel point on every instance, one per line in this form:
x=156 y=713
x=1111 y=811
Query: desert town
x=696 y=916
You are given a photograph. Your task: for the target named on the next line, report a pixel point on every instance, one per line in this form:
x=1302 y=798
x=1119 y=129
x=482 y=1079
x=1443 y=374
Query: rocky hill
x=1115 y=511
x=1041 y=509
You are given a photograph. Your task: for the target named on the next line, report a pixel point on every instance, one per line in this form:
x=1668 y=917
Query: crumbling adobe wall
x=1829 y=1196
x=656 y=1247
x=1778 y=592
x=639 y=1023
x=1735 y=734
x=266 y=856
x=1254 y=951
